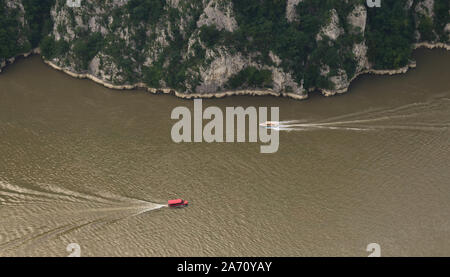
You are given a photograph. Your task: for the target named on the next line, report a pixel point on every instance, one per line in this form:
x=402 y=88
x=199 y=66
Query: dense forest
x=164 y=45
x=10 y=33
x=16 y=39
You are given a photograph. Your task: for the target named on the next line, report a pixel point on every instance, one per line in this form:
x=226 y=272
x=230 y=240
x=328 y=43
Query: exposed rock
x=220 y=14
x=357 y=18
x=340 y=81
x=121 y=3
x=291 y=13
x=283 y=82
x=17 y=5
x=172 y=46
x=62 y=22
x=426 y=7
x=2 y=65
x=220 y=70
x=173 y=3
x=225 y=66
x=332 y=30
x=102 y=66
x=275 y=59
x=95 y=25
x=409 y=4
x=360 y=52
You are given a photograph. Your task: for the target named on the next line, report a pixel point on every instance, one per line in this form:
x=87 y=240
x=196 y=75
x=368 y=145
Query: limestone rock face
x=340 y=81
x=426 y=7
x=357 y=18
x=103 y=66
x=163 y=45
x=219 y=14
x=18 y=6
x=291 y=9
x=332 y=30
x=283 y=82
x=360 y=52
x=424 y=10
x=223 y=66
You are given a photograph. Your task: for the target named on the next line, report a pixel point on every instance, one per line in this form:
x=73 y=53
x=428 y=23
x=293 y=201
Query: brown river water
x=80 y=163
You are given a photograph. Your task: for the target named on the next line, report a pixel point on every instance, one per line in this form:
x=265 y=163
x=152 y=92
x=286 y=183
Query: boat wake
x=33 y=213
x=416 y=116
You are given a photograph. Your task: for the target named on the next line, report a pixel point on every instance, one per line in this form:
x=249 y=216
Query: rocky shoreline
x=222 y=94
x=401 y=70
x=219 y=94
x=4 y=63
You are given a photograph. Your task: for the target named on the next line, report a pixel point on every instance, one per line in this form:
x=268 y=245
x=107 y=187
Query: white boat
x=269 y=124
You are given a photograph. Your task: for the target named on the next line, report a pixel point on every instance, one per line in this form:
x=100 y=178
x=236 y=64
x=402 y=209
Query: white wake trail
x=415 y=115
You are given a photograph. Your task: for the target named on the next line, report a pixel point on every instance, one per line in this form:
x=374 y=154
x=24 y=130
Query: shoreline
x=390 y=72
x=222 y=94
x=9 y=61
x=401 y=70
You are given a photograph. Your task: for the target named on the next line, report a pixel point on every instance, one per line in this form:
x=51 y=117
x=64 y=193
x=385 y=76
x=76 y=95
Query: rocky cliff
x=217 y=47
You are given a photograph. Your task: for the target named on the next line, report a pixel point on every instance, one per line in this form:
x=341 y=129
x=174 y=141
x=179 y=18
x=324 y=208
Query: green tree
x=37 y=14
x=389 y=35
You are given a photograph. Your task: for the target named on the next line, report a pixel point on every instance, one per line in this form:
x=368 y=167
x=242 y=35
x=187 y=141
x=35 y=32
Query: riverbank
x=221 y=94
x=6 y=62
x=402 y=70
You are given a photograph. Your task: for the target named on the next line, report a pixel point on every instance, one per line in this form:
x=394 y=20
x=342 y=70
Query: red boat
x=177 y=203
